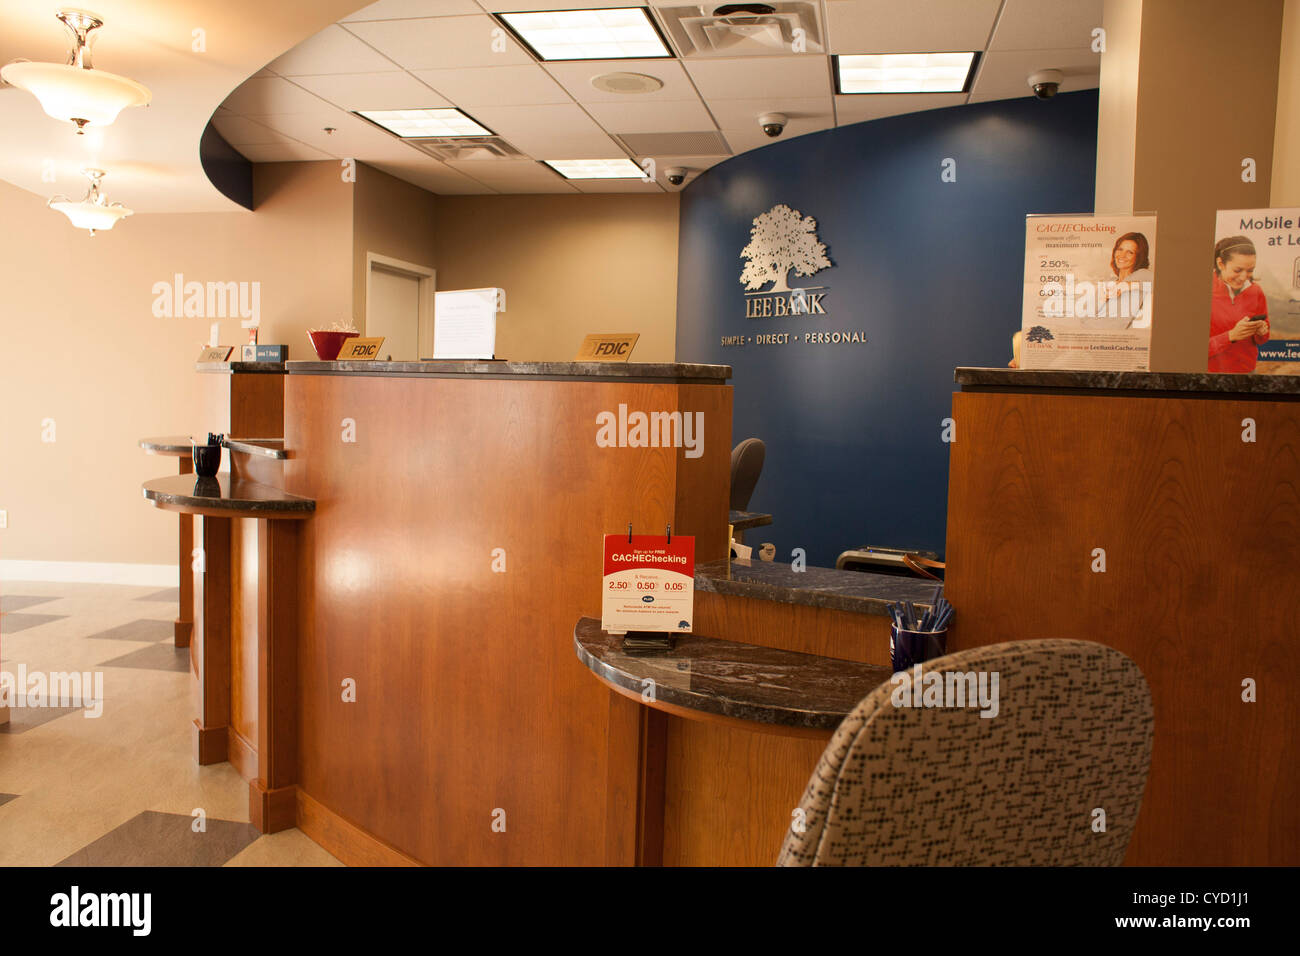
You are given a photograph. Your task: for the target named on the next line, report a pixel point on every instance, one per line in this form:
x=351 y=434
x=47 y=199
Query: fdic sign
x=608 y=348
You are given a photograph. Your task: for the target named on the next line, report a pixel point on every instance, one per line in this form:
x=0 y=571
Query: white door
x=393 y=311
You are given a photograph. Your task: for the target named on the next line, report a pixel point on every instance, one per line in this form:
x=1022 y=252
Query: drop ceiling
x=409 y=54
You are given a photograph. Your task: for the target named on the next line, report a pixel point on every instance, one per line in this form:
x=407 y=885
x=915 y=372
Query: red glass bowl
x=329 y=344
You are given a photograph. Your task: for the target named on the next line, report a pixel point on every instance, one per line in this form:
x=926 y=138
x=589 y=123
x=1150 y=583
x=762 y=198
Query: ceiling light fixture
x=422 y=124
x=596 y=168
x=616 y=34
x=94 y=211
x=74 y=92
x=905 y=73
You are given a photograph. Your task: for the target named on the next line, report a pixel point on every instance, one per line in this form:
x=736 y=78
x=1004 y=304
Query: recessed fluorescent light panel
x=596 y=168
x=422 y=124
x=614 y=34
x=904 y=73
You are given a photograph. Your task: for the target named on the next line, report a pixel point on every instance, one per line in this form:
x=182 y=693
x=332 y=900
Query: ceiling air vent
x=744 y=29
x=465 y=147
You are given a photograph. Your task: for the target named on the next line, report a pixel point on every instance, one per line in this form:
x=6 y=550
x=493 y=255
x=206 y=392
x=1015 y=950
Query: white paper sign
x=465 y=323
x=1088 y=292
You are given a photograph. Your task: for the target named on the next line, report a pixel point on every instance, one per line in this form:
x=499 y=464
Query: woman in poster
x=1130 y=263
x=1238 y=309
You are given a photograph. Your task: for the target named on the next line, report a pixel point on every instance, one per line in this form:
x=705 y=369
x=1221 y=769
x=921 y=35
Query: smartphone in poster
x=1088 y=292
x=1255 y=292
x=649 y=583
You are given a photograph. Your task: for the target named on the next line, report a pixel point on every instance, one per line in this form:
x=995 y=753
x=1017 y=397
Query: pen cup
x=915 y=647
x=207 y=459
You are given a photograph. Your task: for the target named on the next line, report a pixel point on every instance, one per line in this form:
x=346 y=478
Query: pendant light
x=94 y=211
x=74 y=92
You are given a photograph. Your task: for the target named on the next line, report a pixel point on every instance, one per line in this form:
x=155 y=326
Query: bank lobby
x=745 y=282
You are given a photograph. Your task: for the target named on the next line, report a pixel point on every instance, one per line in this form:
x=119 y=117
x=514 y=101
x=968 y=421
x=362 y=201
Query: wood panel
x=470 y=702
x=1201 y=587
x=210 y=648
x=256 y=405
x=730 y=793
x=245 y=571
x=794 y=627
x=183 y=627
x=272 y=795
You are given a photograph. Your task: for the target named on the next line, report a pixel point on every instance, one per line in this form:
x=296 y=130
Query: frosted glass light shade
x=74 y=94
x=91 y=215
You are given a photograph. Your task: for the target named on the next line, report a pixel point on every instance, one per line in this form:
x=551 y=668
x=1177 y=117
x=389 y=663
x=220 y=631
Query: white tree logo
x=782 y=239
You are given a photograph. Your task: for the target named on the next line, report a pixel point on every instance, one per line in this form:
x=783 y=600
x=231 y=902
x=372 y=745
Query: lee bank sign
x=784 y=240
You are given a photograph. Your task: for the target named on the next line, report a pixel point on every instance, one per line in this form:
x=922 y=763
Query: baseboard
x=91 y=572
x=344 y=839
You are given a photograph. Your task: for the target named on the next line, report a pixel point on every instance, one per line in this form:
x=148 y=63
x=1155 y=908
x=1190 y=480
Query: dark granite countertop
x=264 y=367
x=238 y=496
x=859 y=591
x=1215 y=384
x=661 y=372
x=744 y=520
x=176 y=445
x=262 y=447
x=729 y=679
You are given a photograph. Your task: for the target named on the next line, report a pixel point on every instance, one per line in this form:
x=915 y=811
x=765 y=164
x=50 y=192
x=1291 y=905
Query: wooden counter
x=1200 y=531
x=456 y=540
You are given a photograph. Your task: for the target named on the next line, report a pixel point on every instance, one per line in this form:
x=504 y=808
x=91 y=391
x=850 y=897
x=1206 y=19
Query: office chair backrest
x=1055 y=778
x=746 y=465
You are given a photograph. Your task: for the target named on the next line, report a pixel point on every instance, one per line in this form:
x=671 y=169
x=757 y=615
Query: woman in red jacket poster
x=1238 y=309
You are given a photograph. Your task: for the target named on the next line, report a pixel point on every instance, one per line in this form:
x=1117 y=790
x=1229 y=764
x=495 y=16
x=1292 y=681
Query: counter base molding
x=1199 y=531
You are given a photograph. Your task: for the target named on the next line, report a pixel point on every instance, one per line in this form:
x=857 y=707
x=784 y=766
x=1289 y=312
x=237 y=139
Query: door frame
x=428 y=283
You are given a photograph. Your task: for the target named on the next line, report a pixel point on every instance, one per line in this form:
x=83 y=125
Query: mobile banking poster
x=1255 y=292
x=1088 y=297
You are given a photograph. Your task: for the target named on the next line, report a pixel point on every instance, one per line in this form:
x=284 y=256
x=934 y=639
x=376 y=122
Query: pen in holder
x=207 y=458
x=913 y=638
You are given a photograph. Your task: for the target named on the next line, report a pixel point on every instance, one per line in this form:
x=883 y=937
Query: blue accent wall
x=930 y=271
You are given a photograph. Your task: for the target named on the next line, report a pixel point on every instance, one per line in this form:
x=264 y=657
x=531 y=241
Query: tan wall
x=84 y=348
x=569 y=265
x=392 y=218
x=1204 y=104
x=1286 y=138
x=1117 y=106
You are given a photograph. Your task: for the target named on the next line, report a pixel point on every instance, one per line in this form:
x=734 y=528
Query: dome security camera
x=773 y=124
x=676 y=175
x=1046 y=83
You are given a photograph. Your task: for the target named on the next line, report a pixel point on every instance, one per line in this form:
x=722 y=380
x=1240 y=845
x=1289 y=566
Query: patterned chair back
x=1052 y=777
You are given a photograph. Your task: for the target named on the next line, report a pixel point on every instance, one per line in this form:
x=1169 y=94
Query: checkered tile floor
x=122 y=788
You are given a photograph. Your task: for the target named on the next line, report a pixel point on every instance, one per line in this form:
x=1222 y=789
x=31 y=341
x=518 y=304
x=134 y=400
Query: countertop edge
x=1212 y=384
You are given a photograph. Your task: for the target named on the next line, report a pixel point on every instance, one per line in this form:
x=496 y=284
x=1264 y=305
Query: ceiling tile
x=265 y=95
x=427 y=173
x=1004 y=76
x=750 y=137
x=923 y=26
x=526 y=6
x=658 y=116
x=281 y=153
x=411 y=9
x=442 y=43
x=373 y=91
x=862 y=107
x=513 y=175
x=523 y=85
x=736 y=114
x=619 y=186
x=576 y=75
x=333 y=50
x=1046 y=24
x=769 y=76
x=353 y=137
x=549 y=132
x=239 y=131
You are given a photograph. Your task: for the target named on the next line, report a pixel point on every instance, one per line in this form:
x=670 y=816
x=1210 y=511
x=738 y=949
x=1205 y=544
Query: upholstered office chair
x=746 y=465
x=904 y=785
